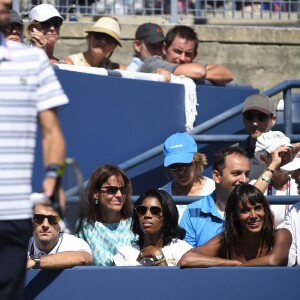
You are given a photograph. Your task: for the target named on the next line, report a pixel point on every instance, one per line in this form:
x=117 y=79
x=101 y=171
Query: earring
x=97 y=201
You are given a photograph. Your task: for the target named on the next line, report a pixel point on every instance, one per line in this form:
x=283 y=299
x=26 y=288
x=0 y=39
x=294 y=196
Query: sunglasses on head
x=39 y=219
x=55 y=22
x=177 y=167
x=156 y=211
x=112 y=190
x=102 y=36
x=249 y=116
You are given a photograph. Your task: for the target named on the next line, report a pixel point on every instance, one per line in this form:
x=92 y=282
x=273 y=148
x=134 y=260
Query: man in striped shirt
x=29 y=92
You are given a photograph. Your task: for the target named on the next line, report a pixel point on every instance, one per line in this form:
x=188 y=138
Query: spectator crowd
x=231 y=224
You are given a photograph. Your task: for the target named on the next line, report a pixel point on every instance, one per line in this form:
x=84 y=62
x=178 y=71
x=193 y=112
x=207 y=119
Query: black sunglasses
x=39 y=219
x=55 y=22
x=17 y=29
x=112 y=190
x=259 y=116
x=177 y=167
x=102 y=36
x=141 y=210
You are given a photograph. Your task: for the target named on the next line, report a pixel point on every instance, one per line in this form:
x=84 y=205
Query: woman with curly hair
x=248 y=237
x=155 y=221
x=106 y=226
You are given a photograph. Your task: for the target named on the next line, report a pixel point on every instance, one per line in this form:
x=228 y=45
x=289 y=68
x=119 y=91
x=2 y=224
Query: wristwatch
x=159 y=258
x=37 y=260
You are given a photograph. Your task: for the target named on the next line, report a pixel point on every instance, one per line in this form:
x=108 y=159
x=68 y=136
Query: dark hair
x=100 y=176
x=171 y=228
x=220 y=157
x=232 y=232
x=182 y=31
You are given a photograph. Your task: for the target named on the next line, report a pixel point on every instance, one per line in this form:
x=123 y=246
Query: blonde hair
x=200 y=161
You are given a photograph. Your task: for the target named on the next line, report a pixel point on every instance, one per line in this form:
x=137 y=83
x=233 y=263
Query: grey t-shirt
x=154 y=62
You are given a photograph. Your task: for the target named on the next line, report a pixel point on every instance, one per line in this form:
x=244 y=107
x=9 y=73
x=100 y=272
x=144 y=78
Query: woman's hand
x=149 y=251
x=37 y=38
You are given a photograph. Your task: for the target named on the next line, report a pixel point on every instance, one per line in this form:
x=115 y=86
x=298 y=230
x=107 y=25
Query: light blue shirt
x=202 y=221
x=134 y=64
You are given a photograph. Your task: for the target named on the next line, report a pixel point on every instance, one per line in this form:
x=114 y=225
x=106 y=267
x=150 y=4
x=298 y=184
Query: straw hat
x=109 y=26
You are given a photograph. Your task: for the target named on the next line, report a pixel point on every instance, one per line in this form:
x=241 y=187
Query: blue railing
x=285 y=87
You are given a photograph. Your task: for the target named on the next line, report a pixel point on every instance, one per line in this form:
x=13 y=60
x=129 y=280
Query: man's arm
x=278 y=256
x=53 y=145
x=206 y=256
x=192 y=70
x=218 y=74
x=62 y=260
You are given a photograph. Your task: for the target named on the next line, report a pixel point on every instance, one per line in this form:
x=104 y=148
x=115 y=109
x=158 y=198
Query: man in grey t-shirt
x=179 y=51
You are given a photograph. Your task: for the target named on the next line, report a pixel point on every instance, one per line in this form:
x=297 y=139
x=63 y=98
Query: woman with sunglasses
x=106 y=225
x=248 y=237
x=43 y=29
x=155 y=221
x=103 y=37
x=185 y=165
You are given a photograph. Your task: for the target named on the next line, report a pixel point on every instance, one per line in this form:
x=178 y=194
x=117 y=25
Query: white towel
x=83 y=69
x=190 y=99
x=141 y=76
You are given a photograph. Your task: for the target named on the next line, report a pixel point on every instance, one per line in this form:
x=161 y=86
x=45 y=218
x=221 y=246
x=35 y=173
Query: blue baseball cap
x=179 y=148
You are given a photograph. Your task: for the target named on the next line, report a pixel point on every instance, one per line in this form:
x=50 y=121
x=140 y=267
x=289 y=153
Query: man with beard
x=29 y=91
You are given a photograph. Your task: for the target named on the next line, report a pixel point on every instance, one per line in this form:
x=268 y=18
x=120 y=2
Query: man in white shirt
x=292 y=220
x=51 y=249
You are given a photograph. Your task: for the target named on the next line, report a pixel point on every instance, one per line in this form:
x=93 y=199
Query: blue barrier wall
x=155 y=283
x=112 y=119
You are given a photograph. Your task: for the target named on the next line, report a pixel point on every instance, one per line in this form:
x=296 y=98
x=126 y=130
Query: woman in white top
x=186 y=166
x=155 y=221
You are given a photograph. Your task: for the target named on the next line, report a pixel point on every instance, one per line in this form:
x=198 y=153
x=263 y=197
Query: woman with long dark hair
x=155 y=221
x=248 y=238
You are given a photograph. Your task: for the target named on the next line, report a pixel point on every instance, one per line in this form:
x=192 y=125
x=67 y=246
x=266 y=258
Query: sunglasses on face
x=102 y=36
x=15 y=29
x=55 y=22
x=112 y=190
x=141 y=210
x=259 y=116
x=178 y=167
x=39 y=219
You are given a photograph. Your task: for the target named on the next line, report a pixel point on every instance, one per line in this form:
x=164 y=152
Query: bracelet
x=265 y=178
x=160 y=261
x=54 y=170
x=270 y=170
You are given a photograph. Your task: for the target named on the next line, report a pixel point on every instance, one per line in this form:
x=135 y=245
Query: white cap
x=293 y=165
x=43 y=12
x=270 y=140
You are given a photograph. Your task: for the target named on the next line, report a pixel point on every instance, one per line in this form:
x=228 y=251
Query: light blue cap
x=179 y=148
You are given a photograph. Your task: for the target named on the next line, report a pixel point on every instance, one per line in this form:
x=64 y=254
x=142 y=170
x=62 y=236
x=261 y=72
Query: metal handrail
x=284 y=86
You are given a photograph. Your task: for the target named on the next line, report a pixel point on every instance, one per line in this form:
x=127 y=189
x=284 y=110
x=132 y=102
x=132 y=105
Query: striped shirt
x=28 y=85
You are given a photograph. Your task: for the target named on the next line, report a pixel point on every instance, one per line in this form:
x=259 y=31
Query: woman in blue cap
x=186 y=166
